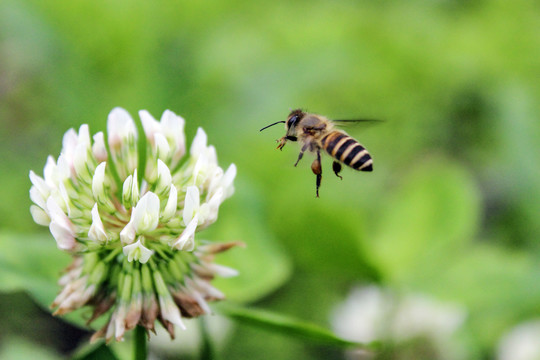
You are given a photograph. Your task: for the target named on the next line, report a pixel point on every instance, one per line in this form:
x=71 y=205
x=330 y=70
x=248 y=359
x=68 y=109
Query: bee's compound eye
x=292 y=121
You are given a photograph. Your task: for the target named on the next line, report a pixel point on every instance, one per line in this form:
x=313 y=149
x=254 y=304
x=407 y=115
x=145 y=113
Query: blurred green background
x=451 y=209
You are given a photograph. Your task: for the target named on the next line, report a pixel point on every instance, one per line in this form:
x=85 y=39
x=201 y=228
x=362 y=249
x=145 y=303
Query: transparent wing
x=357 y=122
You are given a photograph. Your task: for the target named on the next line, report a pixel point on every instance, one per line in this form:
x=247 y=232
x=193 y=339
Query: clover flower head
x=130 y=222
x=373 y=313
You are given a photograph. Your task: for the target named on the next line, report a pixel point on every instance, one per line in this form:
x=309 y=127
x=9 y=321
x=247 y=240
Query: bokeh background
x=451 y=211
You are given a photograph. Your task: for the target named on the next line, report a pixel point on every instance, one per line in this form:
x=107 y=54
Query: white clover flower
x=521 y=342
x=137 y=251
x=132 y=231
x=373 y=313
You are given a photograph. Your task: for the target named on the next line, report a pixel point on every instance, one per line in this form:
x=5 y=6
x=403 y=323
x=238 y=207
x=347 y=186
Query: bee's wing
x=356 y=122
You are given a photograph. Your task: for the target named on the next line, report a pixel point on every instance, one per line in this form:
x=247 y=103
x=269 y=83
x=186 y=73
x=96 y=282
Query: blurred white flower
x=373 y=313
x=521 y=342
x=418 y=315
x=362 y=317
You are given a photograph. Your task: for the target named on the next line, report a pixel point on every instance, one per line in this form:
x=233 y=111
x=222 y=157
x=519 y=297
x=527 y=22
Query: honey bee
x=316 y=132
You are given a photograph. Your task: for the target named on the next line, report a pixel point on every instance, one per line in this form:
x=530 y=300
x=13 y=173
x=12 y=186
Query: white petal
x=64 y=237
x=199 y=143
x=191 y=204
x=69 y=142
x=76 y=285
x=228 y=179
x=56 y=213
x=186 y=241
x=215 y=181
x=126 y=189
x=64 y=200
x=163 y=149
x=150 y=173
x=64 y=167
x=98 y=149
x=145 y=255
x=213 y=205
x=192 y=290
x=84 y=135
x=130 y=191
x=120 y=126
x=97 y=231
x=98 y=181
x=137 y=251
x=37 y=198
x=127 y=235
x=109 y=334
x=39 y=215
x=40 y=184
x=120 y=323
x=164 y=177
x=150 y=125
x=206 y=288
x=170 y=312
x=145 y=216
x=211 y=155
x=135 y=187
x=80 y=159
x=172 y=126
x=223 y=271
x=201 y=167
x=172 y=202
x=50 y=172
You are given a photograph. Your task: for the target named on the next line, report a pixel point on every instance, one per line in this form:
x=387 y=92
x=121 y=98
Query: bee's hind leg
x=304 y=148
x=317 y=170
x=336 y=166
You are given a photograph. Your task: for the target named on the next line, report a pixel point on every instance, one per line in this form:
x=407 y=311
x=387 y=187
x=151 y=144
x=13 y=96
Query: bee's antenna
x=266 y=127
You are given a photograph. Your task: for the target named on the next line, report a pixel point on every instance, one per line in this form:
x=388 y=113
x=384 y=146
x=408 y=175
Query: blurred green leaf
x=498 y=286
x=14 y=348
x=287 y=326
x=262 y=264
x=426 y=221
x=425 y=242
x=31 y=262
x=95 y=351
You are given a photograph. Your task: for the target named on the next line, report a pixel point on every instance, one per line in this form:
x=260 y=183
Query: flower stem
x=140 y=348
x=207 y=348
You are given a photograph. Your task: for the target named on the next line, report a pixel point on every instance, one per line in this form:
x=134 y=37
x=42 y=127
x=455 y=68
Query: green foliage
x=19 y=349
x=31 y=262
x=287 y=326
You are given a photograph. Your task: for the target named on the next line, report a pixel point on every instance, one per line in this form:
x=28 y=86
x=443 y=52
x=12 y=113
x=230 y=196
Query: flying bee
x=316 y=132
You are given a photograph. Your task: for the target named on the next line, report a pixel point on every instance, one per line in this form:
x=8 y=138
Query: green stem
x=207 y=348
x=140 y=349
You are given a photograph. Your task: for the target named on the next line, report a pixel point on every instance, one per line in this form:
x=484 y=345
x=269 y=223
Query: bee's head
x=293 y=119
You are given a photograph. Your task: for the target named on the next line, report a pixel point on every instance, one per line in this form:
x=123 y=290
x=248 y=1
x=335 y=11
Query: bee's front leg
x=283 y=141
x=317 y=170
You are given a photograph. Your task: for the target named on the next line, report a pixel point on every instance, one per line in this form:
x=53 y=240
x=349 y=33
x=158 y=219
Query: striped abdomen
x=344 y=148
